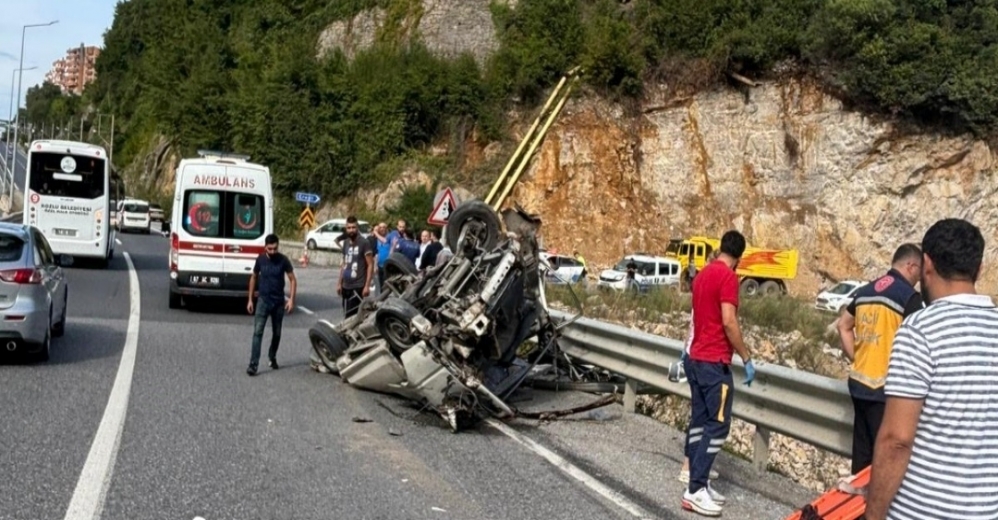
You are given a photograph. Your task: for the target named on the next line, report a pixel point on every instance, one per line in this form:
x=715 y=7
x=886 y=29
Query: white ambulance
x=223 y=208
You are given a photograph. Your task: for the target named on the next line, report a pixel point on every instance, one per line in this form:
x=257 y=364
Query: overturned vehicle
x=448 y=337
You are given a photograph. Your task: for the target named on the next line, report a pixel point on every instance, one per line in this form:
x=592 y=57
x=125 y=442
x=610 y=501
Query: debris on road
x=361 y=420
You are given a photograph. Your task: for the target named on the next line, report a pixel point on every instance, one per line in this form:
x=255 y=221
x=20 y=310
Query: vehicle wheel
x=397 y=268
x=750 y=287
x=103 y=263
x=479 y=220
x=176 y=300
x=59 y=329
x=43 y=354
x=311 y=245
x=770 y=288
x=328 y=343
x=393 y=320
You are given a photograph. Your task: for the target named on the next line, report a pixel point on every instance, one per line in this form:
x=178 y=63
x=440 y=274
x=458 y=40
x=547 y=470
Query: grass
x=782 y=314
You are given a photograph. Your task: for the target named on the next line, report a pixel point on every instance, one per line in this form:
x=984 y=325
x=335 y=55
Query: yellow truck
x=761 y=271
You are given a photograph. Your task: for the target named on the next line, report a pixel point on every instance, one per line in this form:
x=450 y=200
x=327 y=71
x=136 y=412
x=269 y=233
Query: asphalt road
x=200 y=438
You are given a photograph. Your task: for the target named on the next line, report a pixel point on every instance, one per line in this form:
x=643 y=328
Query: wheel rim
x=398 y=332
x=325 y=352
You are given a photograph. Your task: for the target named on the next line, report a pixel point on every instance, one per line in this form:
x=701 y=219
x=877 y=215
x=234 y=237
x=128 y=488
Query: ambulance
x=223 y=208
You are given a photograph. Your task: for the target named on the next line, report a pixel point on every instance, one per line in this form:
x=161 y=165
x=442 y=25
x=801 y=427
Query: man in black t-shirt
x=354 y=282
x=268 y=281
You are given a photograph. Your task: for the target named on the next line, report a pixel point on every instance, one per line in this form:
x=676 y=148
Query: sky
x=80 y=21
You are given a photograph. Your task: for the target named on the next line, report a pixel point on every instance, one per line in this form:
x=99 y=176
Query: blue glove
x=749 y=373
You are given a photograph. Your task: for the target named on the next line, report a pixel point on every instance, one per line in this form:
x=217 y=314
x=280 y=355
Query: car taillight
x=21 y=276
x=174 y=250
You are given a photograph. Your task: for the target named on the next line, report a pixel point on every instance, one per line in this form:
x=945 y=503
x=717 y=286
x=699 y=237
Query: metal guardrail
x=810 y=408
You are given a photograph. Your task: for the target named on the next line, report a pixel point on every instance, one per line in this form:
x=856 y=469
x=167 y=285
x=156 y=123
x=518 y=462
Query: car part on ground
x=449 y=337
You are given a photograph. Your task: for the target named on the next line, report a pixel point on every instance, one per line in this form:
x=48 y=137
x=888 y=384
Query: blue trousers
x=264 y=310
x=711 y=392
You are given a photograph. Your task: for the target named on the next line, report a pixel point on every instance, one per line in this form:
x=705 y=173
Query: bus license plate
x=204 y=280
x=64 y=232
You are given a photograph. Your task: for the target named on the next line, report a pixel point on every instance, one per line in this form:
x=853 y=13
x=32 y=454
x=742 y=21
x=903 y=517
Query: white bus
x=68 y=198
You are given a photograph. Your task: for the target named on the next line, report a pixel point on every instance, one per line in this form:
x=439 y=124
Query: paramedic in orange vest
x=867 y=327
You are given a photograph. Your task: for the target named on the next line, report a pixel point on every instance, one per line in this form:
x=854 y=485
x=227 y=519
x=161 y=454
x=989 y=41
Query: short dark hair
x=956 y=248
x=907 y=251
x=733 y=244
x=271 y=239
x=351 y=219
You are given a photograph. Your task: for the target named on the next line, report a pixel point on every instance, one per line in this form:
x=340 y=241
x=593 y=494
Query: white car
x=651 y=271
x=840 y=294
x=133 y=215
x=564 y=269
x=324 y=236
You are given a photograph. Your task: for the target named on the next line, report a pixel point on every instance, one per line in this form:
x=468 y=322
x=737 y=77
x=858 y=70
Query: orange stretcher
x=836 y=504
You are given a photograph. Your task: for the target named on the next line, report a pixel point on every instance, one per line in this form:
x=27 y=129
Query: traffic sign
x=307 y=198
x=446 y=203
x=307 y=218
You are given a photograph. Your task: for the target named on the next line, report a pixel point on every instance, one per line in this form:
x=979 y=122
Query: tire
x=43 y=354
x=59 y=329
x=770 y=288
x=328 y=344
x=398 y=264
x=393 y=320
x=469 y=213
x=750 y=287
x=176 y=300
x=311 y=245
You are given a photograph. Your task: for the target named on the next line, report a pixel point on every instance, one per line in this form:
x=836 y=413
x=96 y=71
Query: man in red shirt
x=716 y=335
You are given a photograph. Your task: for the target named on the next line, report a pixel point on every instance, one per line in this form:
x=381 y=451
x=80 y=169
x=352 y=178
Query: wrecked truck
x=448 y=337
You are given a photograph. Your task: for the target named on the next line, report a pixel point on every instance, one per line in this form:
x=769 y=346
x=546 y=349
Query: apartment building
x=76 y=70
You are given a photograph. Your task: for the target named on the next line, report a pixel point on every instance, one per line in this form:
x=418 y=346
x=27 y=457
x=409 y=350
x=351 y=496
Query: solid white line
x=305 y=310
x=91 y=489
x=572 y=470
x=117 y=241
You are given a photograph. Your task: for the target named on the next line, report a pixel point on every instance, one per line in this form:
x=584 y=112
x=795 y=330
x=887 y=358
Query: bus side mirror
x=64 y=260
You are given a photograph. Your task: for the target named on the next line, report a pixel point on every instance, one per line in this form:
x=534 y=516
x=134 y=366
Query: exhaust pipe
x=11 y=346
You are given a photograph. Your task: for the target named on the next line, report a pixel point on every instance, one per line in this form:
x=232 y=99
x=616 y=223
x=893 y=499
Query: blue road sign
x=308 y=198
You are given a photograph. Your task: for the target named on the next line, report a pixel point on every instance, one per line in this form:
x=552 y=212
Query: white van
x=651 y=271
x=133 y=215
x=223 y=208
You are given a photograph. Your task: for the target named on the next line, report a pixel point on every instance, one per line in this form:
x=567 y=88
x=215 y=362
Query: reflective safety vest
x=879 y=309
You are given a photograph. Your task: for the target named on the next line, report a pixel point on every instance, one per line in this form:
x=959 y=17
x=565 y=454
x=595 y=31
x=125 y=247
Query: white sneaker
x=715 y=496
x=684 y=476
x=701 y=502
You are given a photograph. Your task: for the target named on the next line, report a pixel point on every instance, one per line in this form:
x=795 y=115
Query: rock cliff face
x=447 y=27
x=786 y=164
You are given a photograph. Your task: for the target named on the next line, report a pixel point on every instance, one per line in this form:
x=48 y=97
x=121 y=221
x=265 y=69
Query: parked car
x=325 y=235
x=651 y=271
x=156 y=213
x=840 y=294
x=563 y=269
x=133 y=215
x=33 y=291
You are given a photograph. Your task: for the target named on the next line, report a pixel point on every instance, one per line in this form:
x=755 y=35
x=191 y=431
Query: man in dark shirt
x=354 y=283
x=268 y=281
x=432 y=251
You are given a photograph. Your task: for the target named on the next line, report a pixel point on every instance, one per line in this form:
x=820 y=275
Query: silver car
x=33 y=291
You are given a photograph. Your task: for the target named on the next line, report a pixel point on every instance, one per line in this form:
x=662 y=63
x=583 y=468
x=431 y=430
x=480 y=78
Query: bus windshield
x=66 y=175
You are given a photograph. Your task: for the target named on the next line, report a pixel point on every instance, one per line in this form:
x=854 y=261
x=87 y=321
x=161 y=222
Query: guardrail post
x=630 y=396
x=760 y=449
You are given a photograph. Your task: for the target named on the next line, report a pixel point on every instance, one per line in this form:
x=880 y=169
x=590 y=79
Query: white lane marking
x=117 y=241
x=306 y=310
x=572 y=470
x=91 y=489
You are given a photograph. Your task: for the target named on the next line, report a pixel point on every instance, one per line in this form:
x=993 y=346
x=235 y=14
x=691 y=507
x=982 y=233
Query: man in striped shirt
x=936 y=455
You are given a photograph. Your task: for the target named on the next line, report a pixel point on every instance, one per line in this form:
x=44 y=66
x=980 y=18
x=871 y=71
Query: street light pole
x=10 y=200
x=10 y=155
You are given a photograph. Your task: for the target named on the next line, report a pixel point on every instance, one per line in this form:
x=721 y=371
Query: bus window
x=64 y=175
